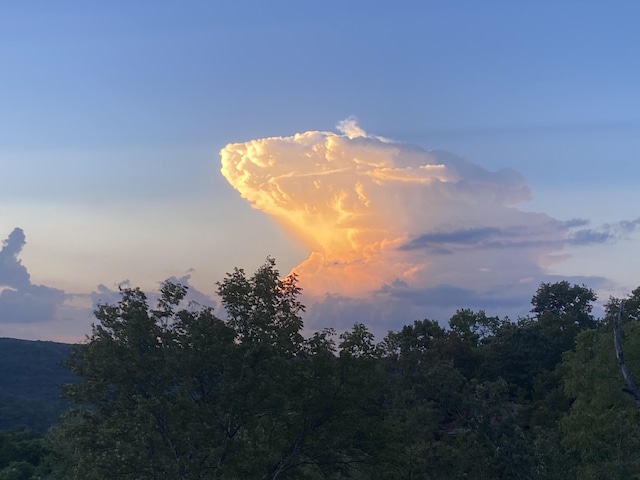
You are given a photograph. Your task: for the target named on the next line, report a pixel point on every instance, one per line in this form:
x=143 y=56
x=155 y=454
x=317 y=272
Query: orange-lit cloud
x=388 y=220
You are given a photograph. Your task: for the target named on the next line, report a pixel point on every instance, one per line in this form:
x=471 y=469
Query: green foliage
x=149 y=396
x=423 y=394
x=565 y=300
x=175 y=392
x=263 y=310
x=603 y=425
x=563 y=311
x=23 y=455
x=475 y=327
x=32 y=374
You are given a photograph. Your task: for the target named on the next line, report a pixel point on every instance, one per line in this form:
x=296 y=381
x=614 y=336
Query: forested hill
x=30 y=380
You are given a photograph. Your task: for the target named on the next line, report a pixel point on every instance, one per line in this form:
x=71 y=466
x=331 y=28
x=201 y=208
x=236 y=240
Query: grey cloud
x=12 y=272
x=574 y=223
x=607 y=233
x=441 y=296
x=515 y=236
x=502 y=297
x=445 y=297
x=106 y=295
x=505 y=179
x=26 y=307
x=503 y=187
x=20 y=300
x=397 y=304
x=341 y=312
x=193 y=294
x=392 y=308
x=553 y=233
x=396 y=283
x=628 y=226
x=466 y=236
x=590 y=237
x=36 y=303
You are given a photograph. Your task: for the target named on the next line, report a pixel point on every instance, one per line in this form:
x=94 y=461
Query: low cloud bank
x=38 y=312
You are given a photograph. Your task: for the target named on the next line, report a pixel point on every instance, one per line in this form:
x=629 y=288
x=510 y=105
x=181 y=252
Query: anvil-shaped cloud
x=389 y=221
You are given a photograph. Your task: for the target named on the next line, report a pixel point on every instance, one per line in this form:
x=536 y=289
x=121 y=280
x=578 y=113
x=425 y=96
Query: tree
x=423 y=395
x=264 y=310
x=150 y=405
x=564 y=308
x=175 y=392
x=22 y=455
x=474 y=327
x=603 y=425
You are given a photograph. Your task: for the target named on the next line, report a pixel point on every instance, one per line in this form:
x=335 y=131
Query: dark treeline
x=172 y=392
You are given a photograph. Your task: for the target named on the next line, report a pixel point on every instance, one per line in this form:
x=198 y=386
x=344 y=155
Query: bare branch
x=631 y=386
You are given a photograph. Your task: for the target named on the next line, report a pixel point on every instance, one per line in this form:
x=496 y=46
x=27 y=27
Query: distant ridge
x=31 y=375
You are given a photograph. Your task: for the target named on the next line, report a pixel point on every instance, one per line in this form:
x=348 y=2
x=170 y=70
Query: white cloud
x=373 y=212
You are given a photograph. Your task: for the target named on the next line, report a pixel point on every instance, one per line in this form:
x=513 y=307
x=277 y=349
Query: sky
x=404 y=158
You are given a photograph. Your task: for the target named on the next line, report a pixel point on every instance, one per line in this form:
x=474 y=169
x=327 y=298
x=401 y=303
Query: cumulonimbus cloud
x=387 y=220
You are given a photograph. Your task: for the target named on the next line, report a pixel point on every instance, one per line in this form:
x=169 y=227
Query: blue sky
x=112 y=116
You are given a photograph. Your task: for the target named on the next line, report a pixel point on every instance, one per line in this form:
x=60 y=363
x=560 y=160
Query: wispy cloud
x=553 y=234
x=607 y=233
